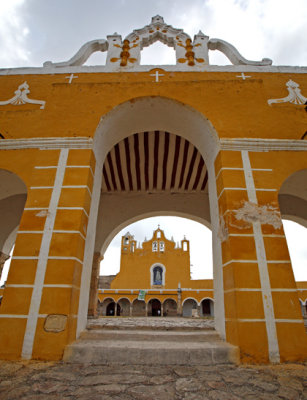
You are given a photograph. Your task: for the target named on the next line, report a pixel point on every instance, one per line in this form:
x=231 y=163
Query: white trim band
x=268 y=307
x=43 y=258
x=263 y=144
x=47 y=143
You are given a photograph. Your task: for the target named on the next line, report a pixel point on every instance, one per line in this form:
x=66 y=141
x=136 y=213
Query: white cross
x=243 y=76
x=156 y=74
x=71 y=77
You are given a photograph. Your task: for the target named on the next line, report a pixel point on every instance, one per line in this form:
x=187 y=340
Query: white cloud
x=13 y=34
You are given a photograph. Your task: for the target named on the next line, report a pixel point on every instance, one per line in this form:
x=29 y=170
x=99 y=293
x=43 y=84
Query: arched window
x=155 y=246
x=162 y=246
x=157 y=275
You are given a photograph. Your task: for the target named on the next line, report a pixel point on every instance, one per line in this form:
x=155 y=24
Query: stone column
x=130 y=310
x=93 y=299
x=146 y=309
x=261 y=303
x=3 y=258
x=199 y=310
x=48 y=257
x=179 y=301
x=115 y=309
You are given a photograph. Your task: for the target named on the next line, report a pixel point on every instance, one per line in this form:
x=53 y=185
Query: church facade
x=85 y=151
x=154 y=280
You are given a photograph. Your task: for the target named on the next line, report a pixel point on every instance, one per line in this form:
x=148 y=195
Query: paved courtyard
x=152 y=322
x=50 y=381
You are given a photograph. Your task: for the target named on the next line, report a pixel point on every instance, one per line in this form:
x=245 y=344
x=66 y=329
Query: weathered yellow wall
x=236 y=108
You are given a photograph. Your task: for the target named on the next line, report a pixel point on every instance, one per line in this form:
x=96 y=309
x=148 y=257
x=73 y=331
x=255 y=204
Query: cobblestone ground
x=50 y=381
x=153 y=322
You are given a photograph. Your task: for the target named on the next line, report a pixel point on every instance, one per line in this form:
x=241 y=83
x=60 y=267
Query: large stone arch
x=293 y=197
x=155 y=113
x=13 y=195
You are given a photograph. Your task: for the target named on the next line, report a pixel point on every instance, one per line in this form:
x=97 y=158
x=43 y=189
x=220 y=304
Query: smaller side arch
x=138 y=308
x=189 y=298
x=188 y=305
x=169 y=307
x=207 y=307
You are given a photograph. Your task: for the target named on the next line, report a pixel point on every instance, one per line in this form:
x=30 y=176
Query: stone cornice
x=87 y=143
x=47 y=143
x=263 y=144
x=283 y=69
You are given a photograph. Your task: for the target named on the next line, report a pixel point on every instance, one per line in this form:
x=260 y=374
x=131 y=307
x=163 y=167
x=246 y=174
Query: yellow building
x=89 y=150
x=160 y=271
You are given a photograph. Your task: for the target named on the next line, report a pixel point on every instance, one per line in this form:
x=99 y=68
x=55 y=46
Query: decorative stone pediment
x=126 y=54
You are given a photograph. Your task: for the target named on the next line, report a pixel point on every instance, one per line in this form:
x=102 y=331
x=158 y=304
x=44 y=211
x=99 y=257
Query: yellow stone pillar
x=92 y=307
x=40 y=302
x=262 y=315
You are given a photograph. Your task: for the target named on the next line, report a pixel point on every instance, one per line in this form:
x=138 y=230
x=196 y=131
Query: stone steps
x=143 y=352
x=105 y=342
x=148 y=335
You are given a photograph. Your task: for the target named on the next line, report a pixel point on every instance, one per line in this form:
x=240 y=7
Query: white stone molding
x=233 y=55
x=47 y=143
x=263 y=144
x=43 y=258
x=21 y=97
x=295 y=96
x=126 y=54
x=87 y=143
x=82 y=54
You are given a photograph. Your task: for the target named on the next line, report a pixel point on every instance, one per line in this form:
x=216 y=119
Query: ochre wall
x=236 y=108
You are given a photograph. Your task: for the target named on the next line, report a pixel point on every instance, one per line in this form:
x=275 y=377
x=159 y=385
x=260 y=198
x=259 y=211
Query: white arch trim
x=107 y=298
x=154 y=298
x=9 y=243
x=138 y=300
x=169 y=298
x=140 y=115
x=206 y=298
x=151 y=273
x=190 y=298
x=123 y=298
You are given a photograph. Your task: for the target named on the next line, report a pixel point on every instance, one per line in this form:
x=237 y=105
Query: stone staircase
x=173 y=341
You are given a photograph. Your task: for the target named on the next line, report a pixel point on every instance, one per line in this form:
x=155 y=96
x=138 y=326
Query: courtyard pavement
x=152 y=322
x=57 y=380
x=35 y=380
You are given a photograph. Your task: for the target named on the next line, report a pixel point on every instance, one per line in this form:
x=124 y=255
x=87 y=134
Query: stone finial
x=156 y=19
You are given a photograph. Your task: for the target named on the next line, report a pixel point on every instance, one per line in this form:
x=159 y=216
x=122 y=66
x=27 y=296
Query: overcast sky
x=34 y=31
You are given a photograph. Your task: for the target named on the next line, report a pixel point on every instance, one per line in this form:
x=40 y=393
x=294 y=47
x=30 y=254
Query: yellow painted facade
x=137 y=273
x=58 y=148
